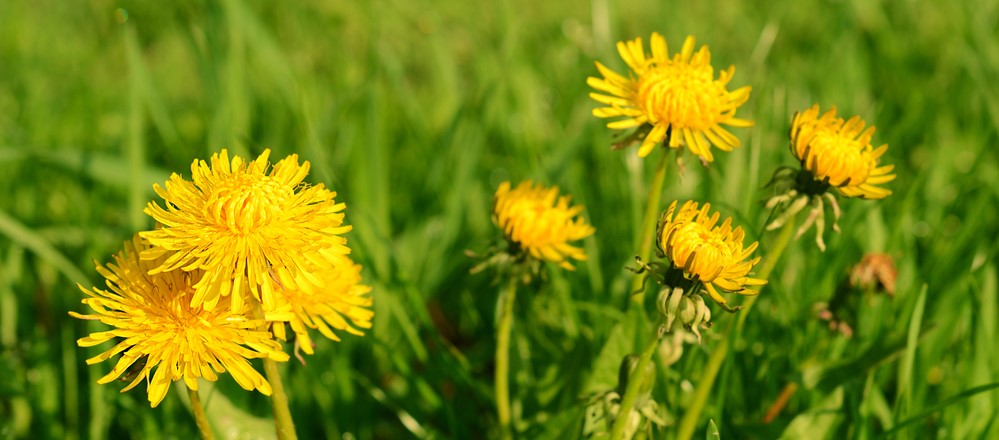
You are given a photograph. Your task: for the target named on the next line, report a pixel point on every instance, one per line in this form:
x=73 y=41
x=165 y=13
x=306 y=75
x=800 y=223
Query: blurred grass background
x=415 y=112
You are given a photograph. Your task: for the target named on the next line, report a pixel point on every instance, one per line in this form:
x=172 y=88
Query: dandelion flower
x=707 y=253
x=840 y=153
x=677 y=98
x=343 y=304
x=159 y=329
x=833 y=154
x=246 y=223
x=537 y=220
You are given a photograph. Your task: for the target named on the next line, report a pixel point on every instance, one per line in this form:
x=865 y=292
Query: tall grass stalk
x=502 y=379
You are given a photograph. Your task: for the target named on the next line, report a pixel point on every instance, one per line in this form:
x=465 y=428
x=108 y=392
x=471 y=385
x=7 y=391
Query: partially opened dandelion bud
x=674 y=100
x=705 y=254
x=540 y=224
x=835 y=156
x=245 y=224
x=167 y=338
x=703 y=258
x=839 y=153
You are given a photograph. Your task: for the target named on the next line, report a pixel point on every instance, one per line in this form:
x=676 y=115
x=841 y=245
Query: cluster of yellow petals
x=343 y=304
x=540 y=222
x=246 y=225
x=705 y=252
x=160 y=329
x=677 y=96
x=840 y=153
x=239 y=251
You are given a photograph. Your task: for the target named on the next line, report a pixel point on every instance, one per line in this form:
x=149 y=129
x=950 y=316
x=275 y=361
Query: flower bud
x=668 y=301
x=690 y=309
x=701 y=315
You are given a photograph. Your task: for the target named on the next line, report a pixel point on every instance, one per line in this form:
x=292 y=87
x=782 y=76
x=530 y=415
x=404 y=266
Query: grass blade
x=135 y=145
x=941 y=405
x=712 y=432
x=20 y=234
x=909 y=358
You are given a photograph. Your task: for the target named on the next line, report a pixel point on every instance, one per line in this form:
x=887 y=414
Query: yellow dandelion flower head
x=342 y=304
x=159 y=329
x=839 y=153
x=705 y=252
x=245 y=223
x=678 y=97
x=540 y=222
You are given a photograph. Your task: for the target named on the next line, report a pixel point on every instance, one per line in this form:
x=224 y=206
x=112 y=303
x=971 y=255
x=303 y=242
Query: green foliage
x=712 y=431
x=414 y=112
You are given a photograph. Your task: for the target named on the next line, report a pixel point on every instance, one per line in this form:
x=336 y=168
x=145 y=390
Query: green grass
x=414 y=112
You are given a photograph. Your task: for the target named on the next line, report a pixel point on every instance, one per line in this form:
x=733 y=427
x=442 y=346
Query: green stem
x=199 y=415
x=710 y=372
x=279 y=400
x=635 y=381
x=767 y=266
x=507 y=298
x=650 y=220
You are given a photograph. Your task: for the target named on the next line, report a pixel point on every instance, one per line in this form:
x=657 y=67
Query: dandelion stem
x=635 y=379
x=767 y=267
x=689 y=421
x=503 y=358
x=199 y=415
x=649 y=221
x=279 y=400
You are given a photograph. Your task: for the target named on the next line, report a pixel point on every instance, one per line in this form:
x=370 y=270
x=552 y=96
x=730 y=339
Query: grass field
x=414 y=112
